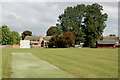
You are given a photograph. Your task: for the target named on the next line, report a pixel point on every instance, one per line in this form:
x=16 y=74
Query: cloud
x=0 y=14
x=38 y=17
x=59 y=0
x=111 y=10
x=112 y=29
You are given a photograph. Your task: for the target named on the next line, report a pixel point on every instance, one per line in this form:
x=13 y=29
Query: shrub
x=53 y=41
x=62 y=41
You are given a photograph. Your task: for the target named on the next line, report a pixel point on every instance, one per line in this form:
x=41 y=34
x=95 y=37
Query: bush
x=52 y=42
x=62 y=41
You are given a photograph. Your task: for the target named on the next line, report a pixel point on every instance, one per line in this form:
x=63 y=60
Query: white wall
x=24 y=43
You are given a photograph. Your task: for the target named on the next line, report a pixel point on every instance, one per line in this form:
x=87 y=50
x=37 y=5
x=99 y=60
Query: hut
x=106 y=44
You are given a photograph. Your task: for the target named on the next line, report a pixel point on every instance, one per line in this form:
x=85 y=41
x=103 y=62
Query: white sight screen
x=24 y=44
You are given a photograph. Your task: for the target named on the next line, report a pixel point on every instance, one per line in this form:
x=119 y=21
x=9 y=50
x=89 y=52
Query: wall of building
x=106 y=46
x=16 y=46
x=6 y=46
x=10 y=46
x=24 y=43
x=35 y=46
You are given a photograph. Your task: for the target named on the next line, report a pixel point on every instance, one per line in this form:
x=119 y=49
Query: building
x=110 y=38
x=35 y=41
x=46 y=40
x=108 y=42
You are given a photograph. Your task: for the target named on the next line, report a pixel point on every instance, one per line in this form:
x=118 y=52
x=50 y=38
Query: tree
x=6 y=35
x=68 y=39
x=26 y=33
x=86 y=22
x=71 y=20
x=9 y=37
x=112 y=35
x=94 y=23
x=62 y=41
x=15 y=37
x=52 y=31
x=53 y=42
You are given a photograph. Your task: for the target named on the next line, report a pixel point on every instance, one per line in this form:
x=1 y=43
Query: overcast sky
x=39 y=16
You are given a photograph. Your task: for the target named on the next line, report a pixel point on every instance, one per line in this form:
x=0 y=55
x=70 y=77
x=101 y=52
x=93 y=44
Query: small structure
x=46 y=40
x=111 y=38
x=24 y=44
x=35 y=41
x=106 y=44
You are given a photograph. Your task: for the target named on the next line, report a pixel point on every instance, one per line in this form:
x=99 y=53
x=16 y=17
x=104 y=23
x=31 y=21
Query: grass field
x=26 y=65
x=82 y=63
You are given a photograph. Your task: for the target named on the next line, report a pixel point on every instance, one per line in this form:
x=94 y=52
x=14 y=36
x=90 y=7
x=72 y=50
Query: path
x=26 y=65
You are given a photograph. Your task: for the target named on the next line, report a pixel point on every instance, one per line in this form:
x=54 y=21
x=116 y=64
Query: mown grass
x=82 y=63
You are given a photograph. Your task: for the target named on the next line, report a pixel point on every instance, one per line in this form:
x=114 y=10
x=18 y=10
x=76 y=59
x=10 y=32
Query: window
x=34 y=40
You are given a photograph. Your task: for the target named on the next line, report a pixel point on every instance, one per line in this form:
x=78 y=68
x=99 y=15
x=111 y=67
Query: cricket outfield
x=81 y=63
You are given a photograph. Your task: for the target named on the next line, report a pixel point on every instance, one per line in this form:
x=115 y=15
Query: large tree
x=86 y=22
x=15 y=37
x=6 y=35
x=26 y=33
x=94 y=23
x=71 y=20
x=9 y=37
x=52 y=31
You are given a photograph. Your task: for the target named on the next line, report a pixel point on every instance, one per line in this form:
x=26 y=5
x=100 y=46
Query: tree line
x=8 y=37
x=86 y=22
x=77 y=24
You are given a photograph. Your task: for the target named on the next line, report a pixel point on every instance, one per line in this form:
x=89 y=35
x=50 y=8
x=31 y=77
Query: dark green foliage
x=6 y=35
x=9 y=37
x=112 y=35
x=86 y=22
x=94 y=23
x=53 y=30
x=71 y=20
x=15 y=37
x=62 y=41
x=80 y=37
x=26 y=33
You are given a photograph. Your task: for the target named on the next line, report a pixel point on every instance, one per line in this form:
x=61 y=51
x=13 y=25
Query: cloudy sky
x=39 y=16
